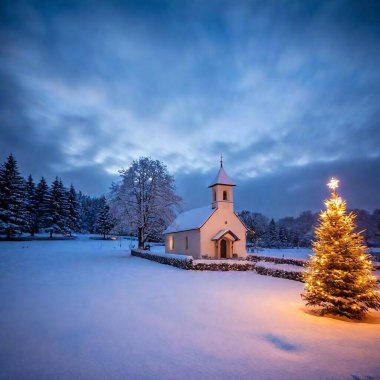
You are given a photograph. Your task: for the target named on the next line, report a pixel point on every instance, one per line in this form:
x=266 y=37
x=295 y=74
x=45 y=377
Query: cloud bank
x=287 y=91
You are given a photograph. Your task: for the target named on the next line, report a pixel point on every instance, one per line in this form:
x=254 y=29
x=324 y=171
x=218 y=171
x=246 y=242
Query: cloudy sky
x=288 y=91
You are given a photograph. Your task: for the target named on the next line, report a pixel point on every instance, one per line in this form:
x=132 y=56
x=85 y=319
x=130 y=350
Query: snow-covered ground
x=88 y=310
x=158 y=248
x=287 y=253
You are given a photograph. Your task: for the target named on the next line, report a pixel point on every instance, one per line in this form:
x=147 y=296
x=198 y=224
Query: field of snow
x=287 y=253
x=88 y=310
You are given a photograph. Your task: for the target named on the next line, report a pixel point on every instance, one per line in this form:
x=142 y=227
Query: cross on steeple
x=221 y=160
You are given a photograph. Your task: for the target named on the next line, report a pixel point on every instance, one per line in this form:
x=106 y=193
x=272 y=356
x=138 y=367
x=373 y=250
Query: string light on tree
x=339 y=278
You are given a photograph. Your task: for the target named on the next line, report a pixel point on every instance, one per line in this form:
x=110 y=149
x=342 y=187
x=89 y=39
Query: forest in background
x=29 y=207
x=298 y=231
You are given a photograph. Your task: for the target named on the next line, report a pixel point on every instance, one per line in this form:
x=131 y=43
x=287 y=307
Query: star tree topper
x=333 y=184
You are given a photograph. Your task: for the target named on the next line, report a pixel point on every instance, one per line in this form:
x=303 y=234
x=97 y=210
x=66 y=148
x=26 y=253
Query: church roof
x=190 y=220
x=222 y=179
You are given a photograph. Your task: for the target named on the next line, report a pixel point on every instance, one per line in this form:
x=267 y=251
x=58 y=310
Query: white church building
x=214 y=231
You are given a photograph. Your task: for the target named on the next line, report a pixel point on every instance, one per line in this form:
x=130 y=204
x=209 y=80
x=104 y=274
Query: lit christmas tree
x=339 y=278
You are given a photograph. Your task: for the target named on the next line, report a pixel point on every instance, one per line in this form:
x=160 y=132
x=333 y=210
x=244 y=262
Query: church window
x=214 y=195
x=224 y=195
x=186 y=243
x=171 y=243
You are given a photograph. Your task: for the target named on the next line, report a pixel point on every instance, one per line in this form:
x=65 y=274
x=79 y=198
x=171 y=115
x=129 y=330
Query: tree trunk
x=51 y=234
x=104 y=235
x=140 y=237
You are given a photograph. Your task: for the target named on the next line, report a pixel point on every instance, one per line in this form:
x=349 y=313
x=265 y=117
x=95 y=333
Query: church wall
x=216 y=223
x=180 y=243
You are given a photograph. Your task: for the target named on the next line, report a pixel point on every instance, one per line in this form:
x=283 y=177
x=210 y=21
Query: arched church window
x=214 y=192
x=171 y=243
x=224 y=195
x=186 y=242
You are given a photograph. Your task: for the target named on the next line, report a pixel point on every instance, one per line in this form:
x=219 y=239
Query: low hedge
x=289 y=275
x=223 y=266
x=186 y=262
x=277 y=260
x=173 y=261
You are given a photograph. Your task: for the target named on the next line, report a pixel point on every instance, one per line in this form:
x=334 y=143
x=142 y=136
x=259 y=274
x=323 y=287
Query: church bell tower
x=222 y=189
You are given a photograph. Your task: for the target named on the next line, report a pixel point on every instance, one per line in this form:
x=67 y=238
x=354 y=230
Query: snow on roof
x=190 y=220
x=222 y=179
x=221 y=233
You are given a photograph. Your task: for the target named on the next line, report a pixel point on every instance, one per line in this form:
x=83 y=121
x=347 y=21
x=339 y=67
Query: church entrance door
x=223 y=249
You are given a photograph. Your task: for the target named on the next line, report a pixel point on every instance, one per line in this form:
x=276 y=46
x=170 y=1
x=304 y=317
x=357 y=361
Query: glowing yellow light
x=333 y=184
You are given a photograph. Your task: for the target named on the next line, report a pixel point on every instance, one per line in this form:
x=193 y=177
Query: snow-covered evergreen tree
x=282 y=237
x=73 y=211
x=88 y=212
x=57 y=219
x=105 y=222
x=12 y=199
x=42 y=201
x=339 y=279
x=31 y=207
x=271 y=235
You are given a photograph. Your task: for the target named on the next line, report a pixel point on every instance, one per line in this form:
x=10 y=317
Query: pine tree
x=73 y=211
x=339 y=278
x=105 y=221
x=12 y=199
x=31 y=209
x=42 y=202
x=57 y=220
x=271 y=235
x=88 y=212
x=283 y=237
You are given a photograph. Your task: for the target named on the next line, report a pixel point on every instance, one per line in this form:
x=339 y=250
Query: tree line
x=298 y=231
x=27 y=207
x=142 y=203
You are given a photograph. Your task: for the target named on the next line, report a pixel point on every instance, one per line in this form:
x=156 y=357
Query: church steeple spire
x=222 y=178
